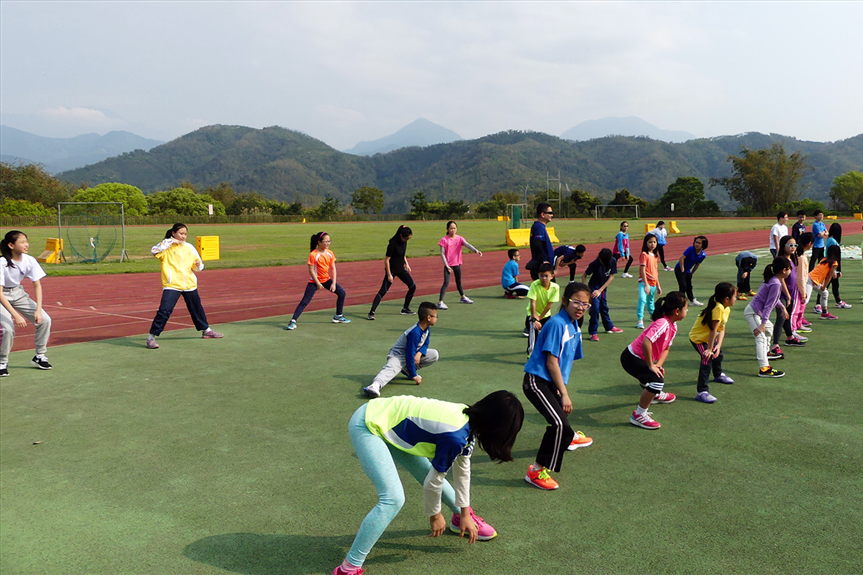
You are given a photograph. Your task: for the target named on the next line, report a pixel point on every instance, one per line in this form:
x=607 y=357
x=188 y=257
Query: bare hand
x=537 y=326
x=758 y=330
x=37 y=316
x=333 y=287
x=449 y=269
x=438 y=525
x=479 y=253
x=319 y=286
x=658 y=290
x=468 y=525
x=657 y=370
x=19 y=320
x=567 y=405
x=390 y=278
x=408 y=268
x=418 y=379
x=745 y=275
x=595 y=294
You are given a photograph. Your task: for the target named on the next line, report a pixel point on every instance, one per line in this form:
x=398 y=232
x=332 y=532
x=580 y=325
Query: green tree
x=133 y=199
x=624 y=197
x=32 y=183
x=13 y=207
x=583 y=202
x=183 y=202
x=496 y=205
x=285 y=209
x=222 y=193
x=764 y=179
x=420 y=206
x=687 y=196
x=250 y=203
x=368 y=200
x=847 y=191
x=327 y=209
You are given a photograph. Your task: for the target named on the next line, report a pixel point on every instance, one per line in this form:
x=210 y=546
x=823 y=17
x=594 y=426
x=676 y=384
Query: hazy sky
x=350 y=71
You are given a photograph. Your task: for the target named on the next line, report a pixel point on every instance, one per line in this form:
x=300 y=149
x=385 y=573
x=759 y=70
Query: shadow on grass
x=255 y=554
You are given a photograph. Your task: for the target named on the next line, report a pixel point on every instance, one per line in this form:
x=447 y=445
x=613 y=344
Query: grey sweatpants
x=26 y=307
x=396 y=363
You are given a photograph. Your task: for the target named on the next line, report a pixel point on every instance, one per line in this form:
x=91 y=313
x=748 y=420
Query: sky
x=345 y=72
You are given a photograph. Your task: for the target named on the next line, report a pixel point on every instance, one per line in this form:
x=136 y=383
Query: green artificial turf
x=232 y=455
x=256 y=245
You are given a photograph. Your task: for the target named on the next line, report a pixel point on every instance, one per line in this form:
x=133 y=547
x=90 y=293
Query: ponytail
x=176 y=227
x=804 y=240
x=775 y=268
x=721 y=291
x=315 y=239
x=834 y=254
x=403 y=232
x=10 y=238
x=666 y=306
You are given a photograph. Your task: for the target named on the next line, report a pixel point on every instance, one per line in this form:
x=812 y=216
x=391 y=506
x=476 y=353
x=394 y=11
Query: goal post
x=91 y=230
x=597 y=210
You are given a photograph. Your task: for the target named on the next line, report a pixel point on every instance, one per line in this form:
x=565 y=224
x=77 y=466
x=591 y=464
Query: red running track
x=90 y=308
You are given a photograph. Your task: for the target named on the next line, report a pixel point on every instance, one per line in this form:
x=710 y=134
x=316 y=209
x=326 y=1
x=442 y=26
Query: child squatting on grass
x=644 y=357
x=322 y=275
x=428 y=438
x=409 y=353
x=757 y=314
x=543 y=292
x=707 y=335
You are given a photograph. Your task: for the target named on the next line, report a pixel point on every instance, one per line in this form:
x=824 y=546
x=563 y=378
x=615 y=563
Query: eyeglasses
x=580 y=304
x=549 y=213
x=790 y=245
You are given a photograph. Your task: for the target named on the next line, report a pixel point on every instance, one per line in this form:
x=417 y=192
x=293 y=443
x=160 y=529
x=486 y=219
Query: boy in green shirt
x=542 y=293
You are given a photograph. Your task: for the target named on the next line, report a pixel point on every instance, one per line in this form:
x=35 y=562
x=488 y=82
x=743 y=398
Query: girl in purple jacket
x=757 y=314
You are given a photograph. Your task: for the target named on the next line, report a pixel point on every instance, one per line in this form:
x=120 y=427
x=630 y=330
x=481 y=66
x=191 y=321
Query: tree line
x=762 y=182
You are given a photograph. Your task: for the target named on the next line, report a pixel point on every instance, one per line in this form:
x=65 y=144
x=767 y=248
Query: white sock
x=151 y=337
x=4 y=365
x=640 y=410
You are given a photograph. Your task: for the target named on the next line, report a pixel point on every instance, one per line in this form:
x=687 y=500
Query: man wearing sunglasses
x=541 y=249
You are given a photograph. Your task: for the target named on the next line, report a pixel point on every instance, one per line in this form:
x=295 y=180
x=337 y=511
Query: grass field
x=232 y=456
x=256 y=245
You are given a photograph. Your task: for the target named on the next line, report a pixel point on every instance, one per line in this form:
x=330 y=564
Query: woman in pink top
x=450 y=253
x=643 y=358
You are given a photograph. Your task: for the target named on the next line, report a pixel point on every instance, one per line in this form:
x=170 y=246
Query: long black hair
x=495 y=421
x=316 y=238
x=644 y=243
x=804 y=240
x=10 y=238
x=175 y=228
x=775 y=267
x=720 y=292
x=665 y=306
x=403 y=232
x=835 y=232
x=783 y=241
x=834 y=254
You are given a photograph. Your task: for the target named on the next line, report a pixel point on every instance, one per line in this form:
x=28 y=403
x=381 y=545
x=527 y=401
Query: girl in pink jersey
x=322 y=275
x=643 y=358
x=450 y=253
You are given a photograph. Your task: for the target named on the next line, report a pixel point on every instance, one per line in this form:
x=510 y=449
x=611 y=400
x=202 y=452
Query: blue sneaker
x=723 y=379
x=705 y=397
x=291 y=324
x=340 y=319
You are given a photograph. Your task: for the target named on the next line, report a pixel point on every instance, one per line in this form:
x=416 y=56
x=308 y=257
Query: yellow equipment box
x=208 y=247
x=672 y=225
x=51 y=255
x=648 y=228
x=521 y=237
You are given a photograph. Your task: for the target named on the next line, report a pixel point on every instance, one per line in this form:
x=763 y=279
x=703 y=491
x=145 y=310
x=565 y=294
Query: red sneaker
x=540 y=479
x=644 y=421
x=663 y=397
x=580 y=440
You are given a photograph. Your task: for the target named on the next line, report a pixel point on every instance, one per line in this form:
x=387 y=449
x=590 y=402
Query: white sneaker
x=442 y=305
x=465 y=299
x=372 y=391
x=695 y=302
x=668 y=269
x=639 y=324
x=625 y=275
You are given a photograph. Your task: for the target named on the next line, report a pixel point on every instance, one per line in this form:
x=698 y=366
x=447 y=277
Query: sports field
x=232 y=456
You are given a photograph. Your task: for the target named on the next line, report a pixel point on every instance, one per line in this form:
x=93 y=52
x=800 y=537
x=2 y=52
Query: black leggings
x=835 y=284
x=628 y=263
x=406 y=279
x=660 y=251
x=684 y=282
x=783 y=324
x=456 y=271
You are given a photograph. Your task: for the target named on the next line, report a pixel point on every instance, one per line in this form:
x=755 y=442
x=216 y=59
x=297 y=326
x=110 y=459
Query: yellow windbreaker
x=179 y=264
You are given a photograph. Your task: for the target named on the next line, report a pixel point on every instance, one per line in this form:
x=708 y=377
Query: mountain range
x=420 y=132
x=59 y=154
x=629 y=126
x=286 y=165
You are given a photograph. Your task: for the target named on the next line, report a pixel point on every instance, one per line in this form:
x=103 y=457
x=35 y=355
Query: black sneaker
x=40 y=363
x=4 y=372
x=371 y=316
x=770 y=372
x=407 y=311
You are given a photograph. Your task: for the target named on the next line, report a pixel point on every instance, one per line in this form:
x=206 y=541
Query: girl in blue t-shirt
x=546 y=375
x=621 y=248
x=427 y=437
x=689 y=262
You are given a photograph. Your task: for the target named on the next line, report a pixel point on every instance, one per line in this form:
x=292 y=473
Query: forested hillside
x=290 y=166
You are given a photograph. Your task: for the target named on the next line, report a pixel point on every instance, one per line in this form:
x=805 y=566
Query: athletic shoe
x=210 y=334
x=644 y=421
x=752 y=293
x=773 y=354
x=340 y=319
x=4 y=372
x=540 y=479
x=770 y=372
x=695 y=302
x=625 y=275
x=525 y=333
x=842 y=305
x=704 y=397
x=668 y=269
x=371 y=316
x=802 y=338
x=614 y=329
x=794 y=342
x=664 y=397
x=805 y=323
x=372 y=391
x=742 y=298
x=152 y=344
x=818 y=309
x=407 y=311
x=828 y=315
x=804 y=329
x=40 y=362
x=485 y=531
x=291 y=324
x=465 y=299
x=509 y=295
x=339 y=571
x=594 y=337
x=580 y=440
x=723 y=379
x=639 y=324
x=442 y=305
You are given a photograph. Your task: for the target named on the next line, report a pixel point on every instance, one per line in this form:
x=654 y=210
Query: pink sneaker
x=151 y=344
x=615 y=329
x=663 y=397
x=594 y=337
x=828 y=315
x=486 y=531
x=339 y=571
x=210 y=334
x=805 y=323
x=644 y=421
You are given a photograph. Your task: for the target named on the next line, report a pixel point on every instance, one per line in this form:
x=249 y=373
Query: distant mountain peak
x=628 y=126
x=420 y=132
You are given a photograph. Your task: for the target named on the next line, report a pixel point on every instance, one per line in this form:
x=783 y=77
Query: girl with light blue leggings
x=427 y=437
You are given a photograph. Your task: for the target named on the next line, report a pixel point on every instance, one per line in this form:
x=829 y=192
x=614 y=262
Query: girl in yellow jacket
x=180 y=261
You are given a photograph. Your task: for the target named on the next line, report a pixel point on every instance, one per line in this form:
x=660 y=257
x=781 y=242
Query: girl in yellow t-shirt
x=706 y=337
x=322 y=275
